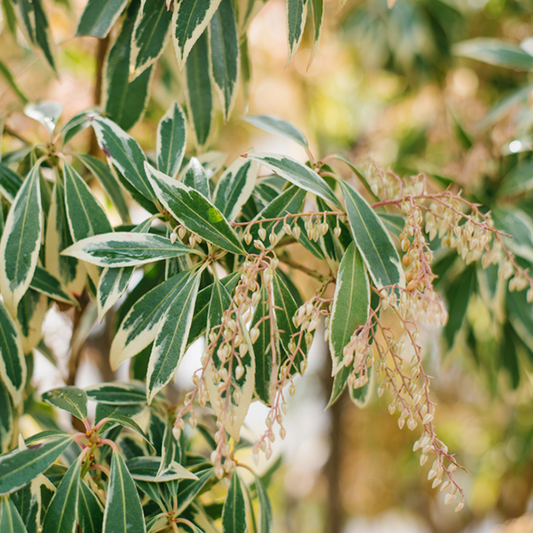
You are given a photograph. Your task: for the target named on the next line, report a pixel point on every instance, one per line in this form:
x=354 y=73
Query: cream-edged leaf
x=171 y=140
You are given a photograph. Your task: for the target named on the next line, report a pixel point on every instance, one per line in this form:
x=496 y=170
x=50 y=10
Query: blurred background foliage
x=385 y=86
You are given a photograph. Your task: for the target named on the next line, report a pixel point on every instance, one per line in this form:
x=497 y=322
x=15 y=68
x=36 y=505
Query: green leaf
x=286 y=308
x=287 y=203
x=458 y=296
x=47 y=113
x=520 y=313
x=358 y=174
x=21 y=466
x=351 y=304
x=360 y=396
x=196 y=177
x=298 y=174
x=264 y=356
x=126 y=421
x=224 y=48
x=42 y=32
x=296 y=17
x=151 y=33
x=194 y=211
x=86 y=217
x=104 y=175
x=171 y=340
x=188 y=490
x=234 y=187
x=99 y=17
x=7 y=418
x=171 y=140
x=67 y=269
x=123 y=249
x=126 y=155
x=517 y=223
x=509 y=355
x=140 y=326
x=90 y=510
x=278 y=126
x=147 y=469
x=62 y=513
x=69 y=399
x=518 y=181
x=125 y=101
x=265 y=508
x=198 y=88
x=117 y=393
x=12 y=83
x=10 y=520
x=75 y=125
x=10 y=183
x=234 y=512
x=123 y=511
x=372 y=239
x=47 y=284
x=191 y=17
x=495 y=52
x=21 y=241
x=30 y=315
x=12 y=362
x=317 y=12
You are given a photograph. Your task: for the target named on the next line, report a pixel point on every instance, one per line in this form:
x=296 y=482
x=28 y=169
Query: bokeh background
x=384 y=87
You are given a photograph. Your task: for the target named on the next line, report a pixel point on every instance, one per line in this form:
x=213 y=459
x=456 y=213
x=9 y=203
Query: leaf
x=147 y=468
x=265 y=507
x=317 y=12
x=458 y=296
x=518 y=181
x=171 y=340
x=196 y=178
x=117 y=393
x=188 y=490
x=296 y=16
x=90 y=510
x=509 y=356
x=123 y=249
x=171 y=139
x=194 y=211
x=351 y=304
x=62 y=513
x=12 y=362
x=234 y=512
x=21 y=466
x=140 y=326
x=278 y=126
x=298 y=174
x=286 y=308
x=198 y=88
x=289 y=202
x=125 y=153
x=7 y=418
x=127 y=422
x=86 y=217
x=191 y=17
x=150 y=35
x=123 y=511
x=30 y=315
x=495 y=52
x=10 y=183
x=10 y=520
x=104 y=175
x=517 y=223
x=21 y=241
x=361 y=396
x=125 y=101
x=224 y=50
x=372 y=239
x=234 y=187
x=358 y=174
x=12 y=83
x=75 y=125
x=265 y=358
x=46 y=283
x=69 y=399
x=67 y=269
x=46 y=112
x=99 y=16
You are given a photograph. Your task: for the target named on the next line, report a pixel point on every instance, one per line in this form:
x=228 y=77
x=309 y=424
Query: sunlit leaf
x=70 y=399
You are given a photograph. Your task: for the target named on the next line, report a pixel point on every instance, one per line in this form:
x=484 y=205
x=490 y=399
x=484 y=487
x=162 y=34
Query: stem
x=101 y=52
x=305 y=270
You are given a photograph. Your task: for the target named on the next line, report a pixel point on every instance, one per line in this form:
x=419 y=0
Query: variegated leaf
x=10 y=183
x=277 y=126
x=196 y=177
x=194 y=211
x=317 y=12
x=140 y=326
x=351 y=304
x=171 y=340
x=191 y=17
x=21 y=241
x=7 y=418
x=150 y=35
x=296 y=17
x=30 y=315
x=10 y=519
x=361 y=396
x=234 y=511
x=224 y=50
x=99 y=17
x=45 y=283
x=91 y=511
x=235 y=187
x=171 y=141
x=372 y=239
